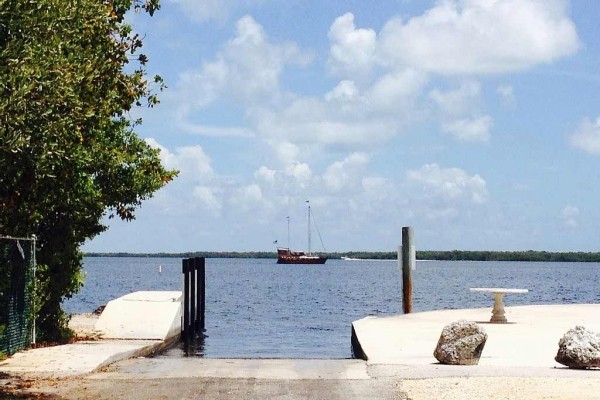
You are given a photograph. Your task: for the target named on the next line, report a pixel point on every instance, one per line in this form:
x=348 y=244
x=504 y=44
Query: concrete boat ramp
x=143 y=323
x=136 y=325
x=530 y=338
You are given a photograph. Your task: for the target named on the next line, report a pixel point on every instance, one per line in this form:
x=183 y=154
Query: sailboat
x=287 y=256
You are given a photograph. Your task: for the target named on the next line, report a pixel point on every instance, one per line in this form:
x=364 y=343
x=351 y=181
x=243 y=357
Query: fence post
x=407 y=265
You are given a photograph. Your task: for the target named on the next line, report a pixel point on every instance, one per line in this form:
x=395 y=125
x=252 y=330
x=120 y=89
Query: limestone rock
x=579 y=348
x=461 y=343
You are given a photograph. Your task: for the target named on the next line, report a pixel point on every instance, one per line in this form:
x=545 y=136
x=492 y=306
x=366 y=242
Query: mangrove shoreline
x=453 y=255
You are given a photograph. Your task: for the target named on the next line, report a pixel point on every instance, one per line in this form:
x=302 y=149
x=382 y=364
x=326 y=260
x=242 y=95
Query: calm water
x=256 y=308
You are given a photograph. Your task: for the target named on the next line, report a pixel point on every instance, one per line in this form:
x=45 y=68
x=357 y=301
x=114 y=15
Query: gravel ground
x=503 y=388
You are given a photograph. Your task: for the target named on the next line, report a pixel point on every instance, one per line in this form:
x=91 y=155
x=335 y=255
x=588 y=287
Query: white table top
x=499 y=290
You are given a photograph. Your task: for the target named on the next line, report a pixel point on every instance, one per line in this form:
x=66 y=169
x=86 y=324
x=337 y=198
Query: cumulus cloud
x=197 y=186
x=587 y=136
x=248 y=68
x=383 y=75
x=182 y=118
x=212 y=10
x=250 y=194
x=448 y=184
x=481 y=36
x=460 y=112
x=507 y=95
x=569 y=215
x=207 y=198
x=346 y=175
x=352 y=51
x=192 y=162
x=265 y=174
x=299 y=171
x=346 y=115
x=206 y=10
x=460 y=101
x=470 y=130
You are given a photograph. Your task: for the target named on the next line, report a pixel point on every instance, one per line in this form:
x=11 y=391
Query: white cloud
x=182 y=119
x=251 y=193
x=587 y=136
x=470 y=130
x=395 y=94
x=460 y=101
x=352 y=51
x=346 y=115
x=346 y=175
x=247 y=70
x=212 y=10
x=384 y=76
x=265 y=174
x=299 y=171
x=448 y=184
x=570 y=215
x=191 y=161
x=507 y=95
x=344 y=92
x=481 y=36
x=206 y=196
x=206 y=10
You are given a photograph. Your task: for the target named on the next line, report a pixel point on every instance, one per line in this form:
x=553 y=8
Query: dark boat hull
x=286 y=256
x=305 y=260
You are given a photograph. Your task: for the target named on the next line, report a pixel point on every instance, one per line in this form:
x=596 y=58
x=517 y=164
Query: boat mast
x=288 y=237
x=309 y=253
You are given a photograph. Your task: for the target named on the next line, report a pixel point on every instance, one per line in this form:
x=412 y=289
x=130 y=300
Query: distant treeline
x=454 y=255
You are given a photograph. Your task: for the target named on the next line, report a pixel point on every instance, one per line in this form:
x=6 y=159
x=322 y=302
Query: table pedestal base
x=498 y=316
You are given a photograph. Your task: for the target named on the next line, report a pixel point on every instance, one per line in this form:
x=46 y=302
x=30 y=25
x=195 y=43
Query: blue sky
x=477 y=122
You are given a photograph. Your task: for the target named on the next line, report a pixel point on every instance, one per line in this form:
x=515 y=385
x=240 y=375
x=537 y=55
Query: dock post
x=200 y=292
x=186 y=299
x=408 y=262
x=192 y=297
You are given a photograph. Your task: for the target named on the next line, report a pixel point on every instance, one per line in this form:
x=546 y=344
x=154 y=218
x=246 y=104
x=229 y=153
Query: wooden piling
x=407 y=266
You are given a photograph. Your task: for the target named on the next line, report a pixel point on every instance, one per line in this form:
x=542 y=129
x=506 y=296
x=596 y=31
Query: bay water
x=256 y=308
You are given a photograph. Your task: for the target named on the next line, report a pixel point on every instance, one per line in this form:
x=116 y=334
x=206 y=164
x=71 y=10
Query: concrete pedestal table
x=498 y=310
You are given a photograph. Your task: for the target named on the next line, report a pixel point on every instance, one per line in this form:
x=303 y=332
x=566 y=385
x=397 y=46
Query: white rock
x=461 y=343
x=579 y=348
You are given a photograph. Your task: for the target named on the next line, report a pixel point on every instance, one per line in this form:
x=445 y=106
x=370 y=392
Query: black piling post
x=192 y=297
x=186 y=299
x=194 y=288
x=201 y=292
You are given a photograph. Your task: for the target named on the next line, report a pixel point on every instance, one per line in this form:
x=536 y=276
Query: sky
x=476 y=122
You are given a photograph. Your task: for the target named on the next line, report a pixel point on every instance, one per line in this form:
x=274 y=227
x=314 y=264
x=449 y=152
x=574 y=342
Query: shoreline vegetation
x=453 y=255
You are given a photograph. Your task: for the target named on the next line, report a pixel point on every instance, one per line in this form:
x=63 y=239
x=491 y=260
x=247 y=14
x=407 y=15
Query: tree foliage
x=68 y=151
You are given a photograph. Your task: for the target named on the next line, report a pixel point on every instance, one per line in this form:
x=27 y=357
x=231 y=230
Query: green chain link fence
x=17 y=270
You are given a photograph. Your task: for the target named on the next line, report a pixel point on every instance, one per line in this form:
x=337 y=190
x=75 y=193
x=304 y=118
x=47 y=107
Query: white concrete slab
x=529 y=339
x=76 y=359
x=144 y=315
